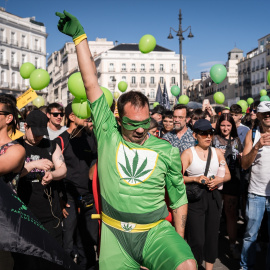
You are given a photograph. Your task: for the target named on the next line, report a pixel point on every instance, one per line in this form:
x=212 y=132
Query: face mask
x=133 y=125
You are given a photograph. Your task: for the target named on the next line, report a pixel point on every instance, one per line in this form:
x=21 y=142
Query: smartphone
x=205 y=102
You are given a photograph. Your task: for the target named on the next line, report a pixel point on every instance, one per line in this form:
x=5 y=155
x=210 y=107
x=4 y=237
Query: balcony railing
x=3 y=39
x=257 y=81
x=24 y=45
x=262 y=80
x=14 y=42
x=111 y=70
x=37 y=48
x=173 y=71
x=253 y=69
x=143 y=84
x=172 y=83
x=14 y=86
x=4 y=84
x=111 y=84
x=248 y=69
x=133 y=84
x=262 y=66
x=152 y=70
x=257 y=67
x=14 y=64
x=123 y=70
x=133 y=70
x=152 y=84
x=142 y=70
x=161 y=70
x=3 y=62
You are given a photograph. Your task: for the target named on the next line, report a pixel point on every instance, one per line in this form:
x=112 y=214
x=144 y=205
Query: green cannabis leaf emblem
x=127 y=227
x=133 y=172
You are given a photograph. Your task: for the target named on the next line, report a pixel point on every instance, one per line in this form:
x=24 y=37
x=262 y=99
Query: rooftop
x=135 y=47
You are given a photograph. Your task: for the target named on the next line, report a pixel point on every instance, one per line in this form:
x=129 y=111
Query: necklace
x=204 y=152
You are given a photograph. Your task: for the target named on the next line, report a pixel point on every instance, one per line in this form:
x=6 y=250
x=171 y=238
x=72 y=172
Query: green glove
x=69 y=25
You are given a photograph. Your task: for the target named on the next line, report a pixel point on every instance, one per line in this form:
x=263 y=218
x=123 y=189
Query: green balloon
x=26 y=69
x=219 y=97
x=183 y=99
x=147 y=44
x=218 y=73
x=122 y=86
x=263 y=92
x=108 y=95
x=39 y=101
x=268 y=77
x=243 y=104
x=155 y=104
x=39 y=79
x=264 y=98
x=81 y=108
x=250 y=100
x=76 y=86
x=175 y=90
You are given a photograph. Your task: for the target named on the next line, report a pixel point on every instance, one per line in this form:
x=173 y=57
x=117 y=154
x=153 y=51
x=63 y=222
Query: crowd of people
x=192 y=165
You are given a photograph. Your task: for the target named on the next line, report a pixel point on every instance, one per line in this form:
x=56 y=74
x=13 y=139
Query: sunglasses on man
x=55 y=114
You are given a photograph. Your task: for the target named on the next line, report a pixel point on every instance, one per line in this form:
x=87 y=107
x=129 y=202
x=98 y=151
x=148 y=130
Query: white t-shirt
x=55 y=133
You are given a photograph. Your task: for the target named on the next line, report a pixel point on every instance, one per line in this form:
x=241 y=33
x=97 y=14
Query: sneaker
x=235 y=252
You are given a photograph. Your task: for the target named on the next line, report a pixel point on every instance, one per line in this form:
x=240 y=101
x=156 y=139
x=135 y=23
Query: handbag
x=194 y=190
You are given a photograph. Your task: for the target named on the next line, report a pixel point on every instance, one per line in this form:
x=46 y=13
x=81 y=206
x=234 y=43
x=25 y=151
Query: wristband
x=79 y=39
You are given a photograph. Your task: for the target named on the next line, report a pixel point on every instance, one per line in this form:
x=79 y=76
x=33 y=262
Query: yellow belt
x=126 y=226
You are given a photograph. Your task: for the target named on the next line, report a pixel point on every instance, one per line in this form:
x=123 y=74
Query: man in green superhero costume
x=133 y=169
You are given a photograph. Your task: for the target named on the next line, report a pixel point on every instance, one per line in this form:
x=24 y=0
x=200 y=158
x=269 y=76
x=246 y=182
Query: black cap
x=68 y=110
x=158 y=109
x=202 y=125
x=37 y=121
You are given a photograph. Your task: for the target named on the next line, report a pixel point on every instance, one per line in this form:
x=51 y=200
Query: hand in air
x=69 y=25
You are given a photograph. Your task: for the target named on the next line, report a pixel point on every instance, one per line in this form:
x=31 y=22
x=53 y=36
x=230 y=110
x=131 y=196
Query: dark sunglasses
x=4 y=113
x=205 y=133
x=265 y=114
x=55 y=114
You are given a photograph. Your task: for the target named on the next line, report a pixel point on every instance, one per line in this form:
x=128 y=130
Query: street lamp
x=179 y=33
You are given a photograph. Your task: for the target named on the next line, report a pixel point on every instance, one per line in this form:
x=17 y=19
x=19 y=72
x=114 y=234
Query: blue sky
x=217 y=25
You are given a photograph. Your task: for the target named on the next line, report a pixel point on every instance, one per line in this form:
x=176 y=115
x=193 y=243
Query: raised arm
x=69 y=25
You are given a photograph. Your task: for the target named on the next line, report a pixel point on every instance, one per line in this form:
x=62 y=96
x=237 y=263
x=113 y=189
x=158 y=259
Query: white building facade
x=123 y=62
x=21 y=40
x=142 y=72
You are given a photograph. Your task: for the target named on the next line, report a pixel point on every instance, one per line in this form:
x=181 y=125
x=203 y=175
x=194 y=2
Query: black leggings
x=203 y=226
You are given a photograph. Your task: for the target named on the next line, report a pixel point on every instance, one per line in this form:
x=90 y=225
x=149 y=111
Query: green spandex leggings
x=161 y=248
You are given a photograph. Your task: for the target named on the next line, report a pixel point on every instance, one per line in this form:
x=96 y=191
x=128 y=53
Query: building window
x=111 y=67
x=13 y=38
x=152 y=93
x=2 y=76
x=124 y=67
x=124 y=78
x=2 y=55
x=133 y=67
x=152 y=80
x=161 y=80
x=133 y=79
x=173 y=67
x=13 y=79
x=36 y=62
x=13 y=58
x=161 y=67
x=2 y=34
x=173 y=80
x=142 y=80
x=23 y=58
x=142 y=67
x=152 y=67
x=36 y=44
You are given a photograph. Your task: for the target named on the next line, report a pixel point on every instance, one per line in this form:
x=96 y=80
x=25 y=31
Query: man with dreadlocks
x=133 y=169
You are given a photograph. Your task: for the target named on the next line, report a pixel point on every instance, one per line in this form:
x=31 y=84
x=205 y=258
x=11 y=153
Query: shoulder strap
x=253 y=134
x=208 y=161
x=62 y=143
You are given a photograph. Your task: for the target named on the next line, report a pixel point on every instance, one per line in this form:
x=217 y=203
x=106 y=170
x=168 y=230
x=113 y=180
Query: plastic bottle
x=221 y=172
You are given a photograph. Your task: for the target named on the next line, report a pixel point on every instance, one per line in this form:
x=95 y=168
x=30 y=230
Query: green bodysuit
x=132 y=180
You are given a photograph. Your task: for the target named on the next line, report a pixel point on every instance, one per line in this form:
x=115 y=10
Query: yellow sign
x=26 y=97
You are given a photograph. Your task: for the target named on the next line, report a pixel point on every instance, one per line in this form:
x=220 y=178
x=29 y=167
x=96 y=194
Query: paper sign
x=26 y=97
